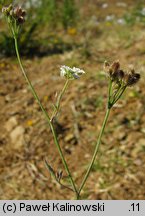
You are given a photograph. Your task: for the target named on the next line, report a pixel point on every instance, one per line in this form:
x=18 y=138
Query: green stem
x=119 y=95
x=110 y=94
x=95 y=152
x=45 y=114
x=57 y=106
x=110 y=89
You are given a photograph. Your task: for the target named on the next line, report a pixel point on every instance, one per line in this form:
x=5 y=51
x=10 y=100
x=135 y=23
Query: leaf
x=59 y=175
x=55 y=107
x=50 y=169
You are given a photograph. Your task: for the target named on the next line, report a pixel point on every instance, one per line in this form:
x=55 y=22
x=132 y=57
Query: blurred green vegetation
x=69 y=13
x=47 y=20
x=136 y=15
x=51 y=27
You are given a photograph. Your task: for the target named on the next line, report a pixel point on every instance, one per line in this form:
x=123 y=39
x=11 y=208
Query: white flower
x=71 y=73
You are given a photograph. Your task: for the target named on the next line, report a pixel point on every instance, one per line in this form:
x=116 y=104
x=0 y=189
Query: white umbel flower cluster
x=71 y=73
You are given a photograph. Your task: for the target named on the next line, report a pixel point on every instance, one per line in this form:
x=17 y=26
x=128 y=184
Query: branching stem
x=45 y=114
x=57 y=105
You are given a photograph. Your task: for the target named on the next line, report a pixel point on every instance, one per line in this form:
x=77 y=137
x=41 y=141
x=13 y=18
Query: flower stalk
x=47 y=118
x=14 y=24
x=95 y=151
x=57 y=105
x=118 y=82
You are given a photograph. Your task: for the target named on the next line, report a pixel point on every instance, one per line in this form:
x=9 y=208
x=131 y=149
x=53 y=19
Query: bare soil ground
x=25 y=138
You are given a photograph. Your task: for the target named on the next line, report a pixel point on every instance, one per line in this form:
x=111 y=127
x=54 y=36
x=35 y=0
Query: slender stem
x=95 y=152
x=110 y=89
x=45 y=114
x=57 y=106
x=109 y=94
x=119 y=95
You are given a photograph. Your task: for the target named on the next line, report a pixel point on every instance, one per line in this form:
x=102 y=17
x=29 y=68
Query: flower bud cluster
x=14 y=14
x=71 y=73
x=119 y=76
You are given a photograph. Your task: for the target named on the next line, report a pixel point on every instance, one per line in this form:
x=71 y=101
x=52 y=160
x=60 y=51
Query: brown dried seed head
x=15 y=13
x=115 y=66
x=23 y=13
x=132 y=78
x=20 y=20
x=116 y=74
x=19 y=12
x=121 y=74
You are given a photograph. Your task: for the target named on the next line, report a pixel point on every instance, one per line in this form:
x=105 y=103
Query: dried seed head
x=107 y=68
x=114 y=71
x=119 y=76
x=19 y=15
x=19 y=12
x=14 y=13
x=20 y=20
x=131 y=78
x=115 y=66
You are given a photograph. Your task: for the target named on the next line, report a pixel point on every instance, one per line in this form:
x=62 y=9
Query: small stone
x=24 y=91
x=135 y=151
x=141 y=142
x=105 y=5
x=138 y=162
x=87 y=156
x=67 y=149
x=69 y=137
x=121 y=135
x=143 y=130
x=17 y=137
x=7 y=98
x=11 y=124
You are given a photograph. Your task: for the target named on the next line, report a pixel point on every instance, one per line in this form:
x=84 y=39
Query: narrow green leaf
x=50 y=169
